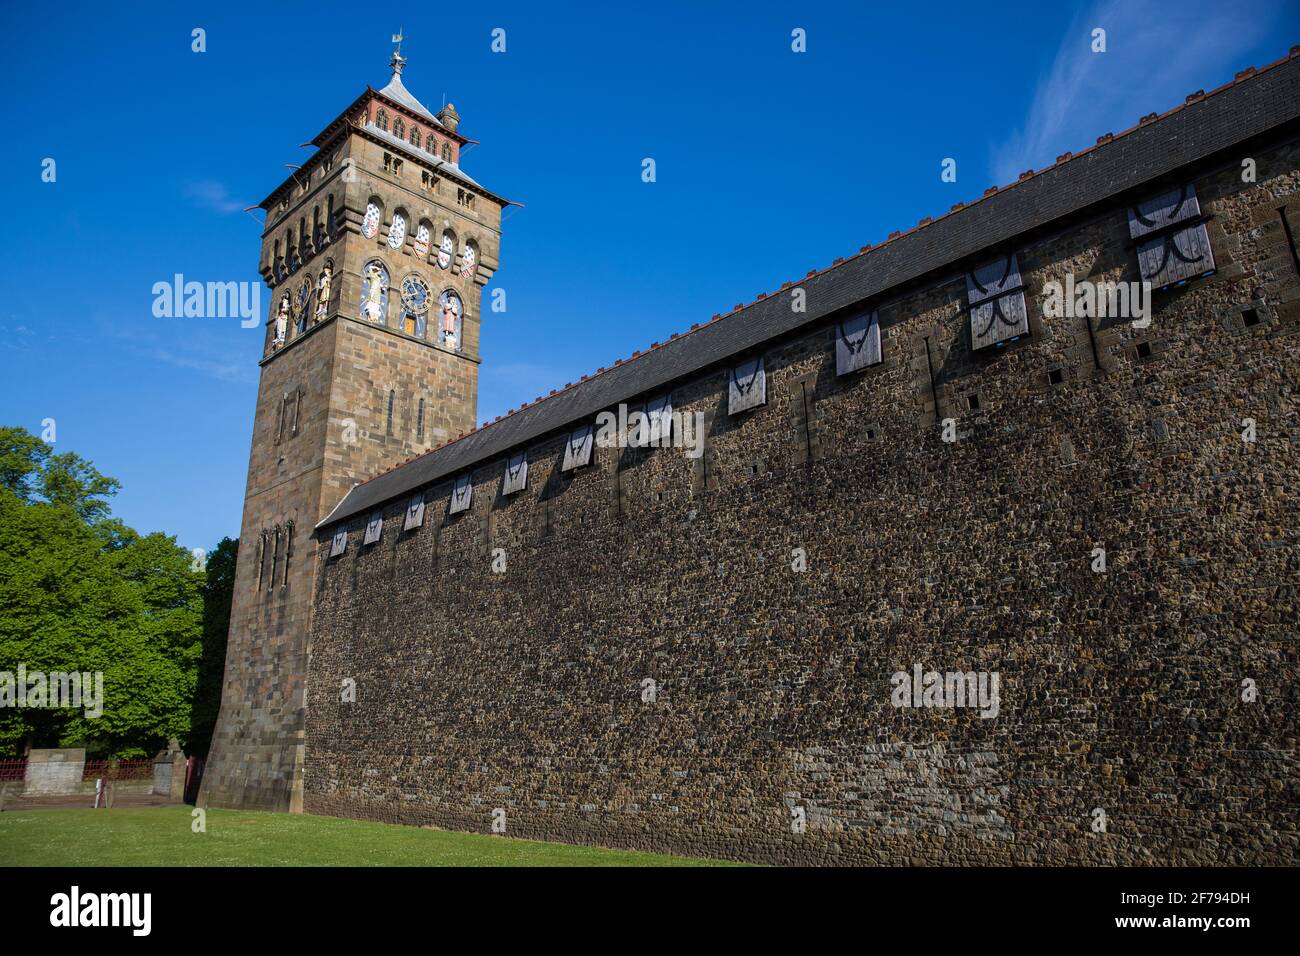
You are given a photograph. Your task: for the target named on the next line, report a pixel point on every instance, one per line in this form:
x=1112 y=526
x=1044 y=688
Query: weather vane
x=398 y=61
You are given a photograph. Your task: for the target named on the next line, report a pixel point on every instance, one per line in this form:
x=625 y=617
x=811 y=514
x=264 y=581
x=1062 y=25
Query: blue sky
x=769 y=163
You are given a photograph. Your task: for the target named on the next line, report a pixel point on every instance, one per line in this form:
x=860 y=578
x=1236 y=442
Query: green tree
x=80 y=591
x=218 y=593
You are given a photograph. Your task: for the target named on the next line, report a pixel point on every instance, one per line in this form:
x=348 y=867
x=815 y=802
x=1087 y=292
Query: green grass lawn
x=161 y=836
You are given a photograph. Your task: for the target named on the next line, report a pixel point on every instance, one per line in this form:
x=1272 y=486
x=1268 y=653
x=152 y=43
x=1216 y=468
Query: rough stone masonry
x=695 y=655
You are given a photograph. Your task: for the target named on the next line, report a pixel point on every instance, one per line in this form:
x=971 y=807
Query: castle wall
x=523 y=691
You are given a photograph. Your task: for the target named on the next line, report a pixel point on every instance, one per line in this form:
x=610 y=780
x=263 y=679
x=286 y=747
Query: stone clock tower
x=376 y=251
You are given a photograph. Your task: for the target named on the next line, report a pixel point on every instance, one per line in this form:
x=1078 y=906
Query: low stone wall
x=51 y=772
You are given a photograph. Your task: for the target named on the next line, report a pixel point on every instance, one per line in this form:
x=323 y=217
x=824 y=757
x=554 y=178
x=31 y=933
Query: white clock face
x=397 y=231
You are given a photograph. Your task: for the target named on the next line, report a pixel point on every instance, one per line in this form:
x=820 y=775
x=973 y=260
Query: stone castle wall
x=522 y=691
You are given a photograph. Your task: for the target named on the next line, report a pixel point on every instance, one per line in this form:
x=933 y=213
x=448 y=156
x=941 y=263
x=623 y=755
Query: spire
x=396 y=91
x=397 y=61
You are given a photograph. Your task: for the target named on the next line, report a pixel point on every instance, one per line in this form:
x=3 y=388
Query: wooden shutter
x=1173 y=245
x=516 y=476
x=857 y=343
x=748 y=387
x=997 y=303
x=374 y=528
x=577 y=450
x=340 y=543
x=657 y=428
x=414 y=513
x=461 y=493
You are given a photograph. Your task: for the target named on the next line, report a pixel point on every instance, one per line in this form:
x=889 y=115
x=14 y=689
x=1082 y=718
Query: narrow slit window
x=288 y=552
x=275 y=558
x=261 y=559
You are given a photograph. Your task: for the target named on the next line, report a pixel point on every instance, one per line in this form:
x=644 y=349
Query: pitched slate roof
x=1254 y=103
x=398 y=93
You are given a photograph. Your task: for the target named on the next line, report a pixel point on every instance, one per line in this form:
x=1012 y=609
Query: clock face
x=415 y=295
x=304 y=294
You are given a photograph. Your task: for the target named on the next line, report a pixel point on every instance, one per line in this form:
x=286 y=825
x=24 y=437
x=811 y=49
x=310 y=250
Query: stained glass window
x=374 y=292
x=370 y=224
x=450 y=320
x=397 y=231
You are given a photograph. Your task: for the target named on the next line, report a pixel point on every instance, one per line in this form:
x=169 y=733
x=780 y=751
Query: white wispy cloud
x=227 y=356
x=230 y=366
x=1156 y=53
x=214 y=196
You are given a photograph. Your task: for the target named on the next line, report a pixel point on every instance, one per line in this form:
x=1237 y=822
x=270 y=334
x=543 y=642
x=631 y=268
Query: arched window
x=397 y=230
x=392 y=398
x=288 y=552
x=374 y=214
x=447 y=249
x=450 y=320
x=415 y=306
x=324 y=287
x=302 y=304
x=304 y=240
x=381 y=119
x=329 y=220
x=261 y=558
x=446 y=152
x=415 y=136
x=419 y=423
x=317 y=230
x=399 y=128
x=291 y=251
x=469 y=261
x=421 y=244
x=275 y=558
x=374 y=293
x=275 y=261
x=281 y=321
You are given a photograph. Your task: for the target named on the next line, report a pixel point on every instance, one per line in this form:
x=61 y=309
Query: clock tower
x=376 y=251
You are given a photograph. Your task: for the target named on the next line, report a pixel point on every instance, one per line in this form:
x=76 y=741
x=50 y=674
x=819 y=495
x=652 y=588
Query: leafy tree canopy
x=81 y=592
